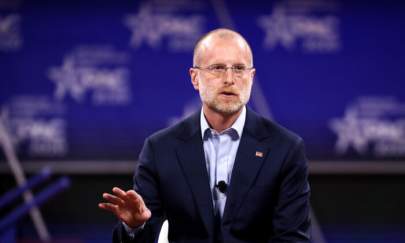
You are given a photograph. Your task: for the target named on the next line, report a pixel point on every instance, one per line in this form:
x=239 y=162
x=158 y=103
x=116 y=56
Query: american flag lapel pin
x=259 y=154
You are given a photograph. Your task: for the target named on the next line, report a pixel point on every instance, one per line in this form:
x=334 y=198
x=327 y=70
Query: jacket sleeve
x=146 y=183
x=291 y=221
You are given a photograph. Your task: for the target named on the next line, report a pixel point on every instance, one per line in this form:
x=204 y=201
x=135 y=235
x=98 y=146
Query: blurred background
x=83 y=83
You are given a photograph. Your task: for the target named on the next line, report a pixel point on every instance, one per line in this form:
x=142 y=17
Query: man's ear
x=252 y=74
x=194 y=77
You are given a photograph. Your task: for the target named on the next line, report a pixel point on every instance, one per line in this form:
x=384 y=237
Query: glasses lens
x=218 y=68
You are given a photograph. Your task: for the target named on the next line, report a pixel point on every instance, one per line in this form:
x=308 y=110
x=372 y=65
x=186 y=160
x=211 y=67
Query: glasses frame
x=235 y=71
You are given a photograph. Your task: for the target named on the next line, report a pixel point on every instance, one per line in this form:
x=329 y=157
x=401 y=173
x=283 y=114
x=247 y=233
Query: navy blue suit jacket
x=267 y=199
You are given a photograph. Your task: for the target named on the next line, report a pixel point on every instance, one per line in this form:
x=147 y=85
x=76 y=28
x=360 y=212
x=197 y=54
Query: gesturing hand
x=127 y=206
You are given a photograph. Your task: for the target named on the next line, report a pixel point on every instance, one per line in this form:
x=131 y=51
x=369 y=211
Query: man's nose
x=229 y=76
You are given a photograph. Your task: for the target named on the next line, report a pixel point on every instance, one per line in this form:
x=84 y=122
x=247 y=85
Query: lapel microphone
x=222 y=186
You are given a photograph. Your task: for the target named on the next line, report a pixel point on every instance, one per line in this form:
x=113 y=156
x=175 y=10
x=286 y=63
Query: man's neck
x=219 y=121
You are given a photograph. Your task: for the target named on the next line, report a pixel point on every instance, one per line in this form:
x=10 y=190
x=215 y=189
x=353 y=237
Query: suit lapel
x=248 y=161
x=192 y=161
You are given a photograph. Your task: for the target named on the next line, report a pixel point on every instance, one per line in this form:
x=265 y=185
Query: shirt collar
x=236 y=126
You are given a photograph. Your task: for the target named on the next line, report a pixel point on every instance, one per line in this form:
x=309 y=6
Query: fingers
x=113 y=199
x=147 y=214
x=137 y=199
x=128 y=206
x=119 y=192
x=109 y=207
x=123 y=198
x=131 y=194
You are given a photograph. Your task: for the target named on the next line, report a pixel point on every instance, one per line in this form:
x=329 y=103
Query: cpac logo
x=316 y=34
x=369 y=124
x=45 y=137
x=10 y=37
x=33 y=124
x=108 y=85
x=151 y=28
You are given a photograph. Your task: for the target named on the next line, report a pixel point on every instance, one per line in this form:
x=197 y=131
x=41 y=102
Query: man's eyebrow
x=234 y=64
x=218 y=64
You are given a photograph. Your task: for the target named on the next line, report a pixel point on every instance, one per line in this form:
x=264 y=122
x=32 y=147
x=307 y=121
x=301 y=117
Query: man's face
x=227 y=92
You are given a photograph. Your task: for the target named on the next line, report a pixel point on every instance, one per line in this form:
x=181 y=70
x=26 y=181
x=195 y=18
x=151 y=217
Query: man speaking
x=224 y=174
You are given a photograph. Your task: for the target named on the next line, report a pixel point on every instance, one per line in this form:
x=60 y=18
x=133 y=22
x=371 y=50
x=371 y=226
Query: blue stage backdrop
x=89 y=80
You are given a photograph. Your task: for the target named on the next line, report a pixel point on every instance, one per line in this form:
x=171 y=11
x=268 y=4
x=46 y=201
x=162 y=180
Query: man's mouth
x=228 y=93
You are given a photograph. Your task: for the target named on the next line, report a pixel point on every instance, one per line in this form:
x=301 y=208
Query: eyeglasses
x=221 y=69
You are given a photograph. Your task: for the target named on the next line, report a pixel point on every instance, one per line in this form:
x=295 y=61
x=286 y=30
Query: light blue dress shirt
x=220 y=151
